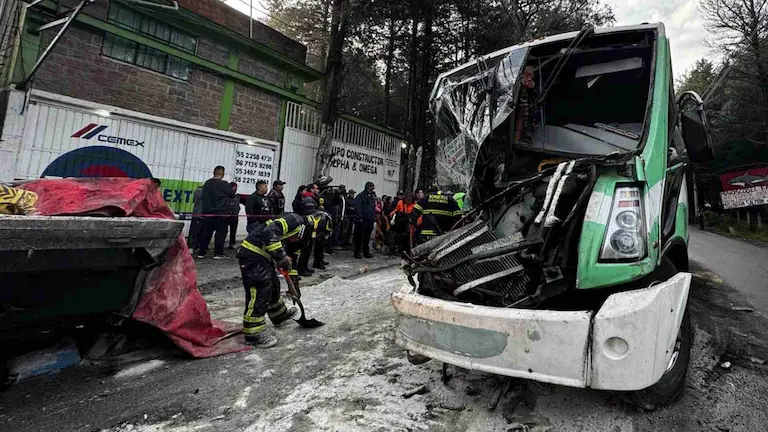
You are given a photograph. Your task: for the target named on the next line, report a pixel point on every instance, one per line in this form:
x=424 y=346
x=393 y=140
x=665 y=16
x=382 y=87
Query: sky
x=682 y=21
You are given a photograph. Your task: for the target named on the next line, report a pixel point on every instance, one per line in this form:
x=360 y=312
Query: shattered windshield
x=468 y=105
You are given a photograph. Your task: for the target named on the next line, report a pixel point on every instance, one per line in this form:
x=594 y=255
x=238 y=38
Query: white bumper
x=626 y=345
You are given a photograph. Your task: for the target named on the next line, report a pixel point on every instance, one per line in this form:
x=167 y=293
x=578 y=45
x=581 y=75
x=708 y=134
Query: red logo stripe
x=84 y=130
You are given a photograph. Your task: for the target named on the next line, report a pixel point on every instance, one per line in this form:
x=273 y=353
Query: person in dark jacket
x=233 y=219
x=217 y=197
x=349 y=218
x=297 y=200
x=260 y=255
x=365 y=216
x=197 y=221
x=259 y=207
x=277 y=198
x=313 y=191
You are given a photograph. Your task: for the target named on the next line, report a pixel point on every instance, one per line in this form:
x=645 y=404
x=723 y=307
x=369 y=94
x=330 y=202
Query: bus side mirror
x=695 y=129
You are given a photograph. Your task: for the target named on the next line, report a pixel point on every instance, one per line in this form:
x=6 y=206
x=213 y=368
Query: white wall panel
x=182 y=155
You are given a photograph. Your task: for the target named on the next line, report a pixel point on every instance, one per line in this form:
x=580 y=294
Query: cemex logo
x=94 y=130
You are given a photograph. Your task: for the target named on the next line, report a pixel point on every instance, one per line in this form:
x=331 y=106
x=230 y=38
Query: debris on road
x=140 y=369
x=742 y=309
x=499 y=393
x=424 y=389
x=725 y=365
x=44 y=362
x=757 y=360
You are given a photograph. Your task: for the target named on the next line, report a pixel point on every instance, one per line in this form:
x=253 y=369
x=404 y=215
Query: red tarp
x=170 y=301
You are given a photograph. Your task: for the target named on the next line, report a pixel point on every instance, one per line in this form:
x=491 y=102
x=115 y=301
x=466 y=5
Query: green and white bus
x=571 y=267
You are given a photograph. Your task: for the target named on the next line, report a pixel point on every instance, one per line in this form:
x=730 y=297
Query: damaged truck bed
x=59 y=270
x=571 y=266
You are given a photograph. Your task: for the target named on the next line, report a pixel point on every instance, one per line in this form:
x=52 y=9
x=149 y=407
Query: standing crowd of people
x=324 y=219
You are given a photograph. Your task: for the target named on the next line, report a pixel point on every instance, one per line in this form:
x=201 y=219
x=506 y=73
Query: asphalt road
x=740 y=265
x=350 y=376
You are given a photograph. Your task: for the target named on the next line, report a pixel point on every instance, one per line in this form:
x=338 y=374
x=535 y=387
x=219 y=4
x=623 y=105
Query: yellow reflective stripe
x=417 y=207
x=280 y=310
x=291 y=234
x=284 y=224
x=246 y=244
x=457 y=213
x=438 y=212
x=255 y=330
x=249 y=310
x=428 y=232
x=253 y=320
x=274 y=246
x=293 y=273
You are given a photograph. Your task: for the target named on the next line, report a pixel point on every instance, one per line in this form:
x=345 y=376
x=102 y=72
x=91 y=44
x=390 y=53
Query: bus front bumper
x=626 y=345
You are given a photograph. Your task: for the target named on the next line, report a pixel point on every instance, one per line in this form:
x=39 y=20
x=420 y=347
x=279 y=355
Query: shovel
x=293 y=292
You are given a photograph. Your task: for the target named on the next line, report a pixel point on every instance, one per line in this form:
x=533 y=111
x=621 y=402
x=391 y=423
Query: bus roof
x=554 y=38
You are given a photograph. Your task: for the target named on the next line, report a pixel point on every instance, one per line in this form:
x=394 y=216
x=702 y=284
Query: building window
x=144 y=56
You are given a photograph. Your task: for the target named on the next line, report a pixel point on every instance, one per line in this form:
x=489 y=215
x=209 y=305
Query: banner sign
x=738 y=198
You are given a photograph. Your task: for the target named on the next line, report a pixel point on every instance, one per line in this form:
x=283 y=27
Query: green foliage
x=699 y=78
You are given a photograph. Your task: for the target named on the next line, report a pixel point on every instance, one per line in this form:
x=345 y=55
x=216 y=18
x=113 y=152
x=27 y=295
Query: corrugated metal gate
x=62 y=140
x=361 y=154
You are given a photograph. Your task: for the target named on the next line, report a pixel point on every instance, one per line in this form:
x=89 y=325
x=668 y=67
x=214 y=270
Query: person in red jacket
x=401 y=222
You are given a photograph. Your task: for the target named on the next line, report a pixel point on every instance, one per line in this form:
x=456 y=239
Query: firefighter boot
x=265 y=339
x=279 y=314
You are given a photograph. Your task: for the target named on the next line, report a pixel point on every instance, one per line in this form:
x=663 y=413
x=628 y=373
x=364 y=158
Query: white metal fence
x=307 y=119
x=361 y=154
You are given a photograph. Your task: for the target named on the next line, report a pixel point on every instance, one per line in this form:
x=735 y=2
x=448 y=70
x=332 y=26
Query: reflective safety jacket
x=320 y=223
x=266 y=240
x=440 y=212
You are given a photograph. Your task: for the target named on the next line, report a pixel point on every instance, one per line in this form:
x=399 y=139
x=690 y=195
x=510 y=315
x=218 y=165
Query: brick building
x=95 y=61
x=166 y=89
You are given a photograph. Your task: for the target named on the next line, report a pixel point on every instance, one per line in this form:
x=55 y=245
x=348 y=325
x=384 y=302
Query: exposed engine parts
x=518 y=248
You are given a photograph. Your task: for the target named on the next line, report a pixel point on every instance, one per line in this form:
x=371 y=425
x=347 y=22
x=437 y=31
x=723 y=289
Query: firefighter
x=260 y=255
x=321 y=224
x=434 y=215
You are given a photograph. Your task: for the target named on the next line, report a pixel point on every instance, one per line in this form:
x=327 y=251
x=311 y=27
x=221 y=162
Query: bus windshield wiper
x=558 y=68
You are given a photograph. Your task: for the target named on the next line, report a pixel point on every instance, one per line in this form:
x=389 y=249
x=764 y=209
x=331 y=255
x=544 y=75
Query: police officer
x=258 y=207
x=434 y=215
x=260 y=255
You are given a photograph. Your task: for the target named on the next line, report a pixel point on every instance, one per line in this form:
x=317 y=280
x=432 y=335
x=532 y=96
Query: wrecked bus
x=571 y=267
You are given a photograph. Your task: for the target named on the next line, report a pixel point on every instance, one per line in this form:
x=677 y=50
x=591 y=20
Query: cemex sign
x=94 y=130
x=744 y=187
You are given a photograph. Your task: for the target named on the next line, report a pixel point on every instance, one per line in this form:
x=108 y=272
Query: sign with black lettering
x=357 y=159
x=748 y=197
x=391 y=170
x=253 y=163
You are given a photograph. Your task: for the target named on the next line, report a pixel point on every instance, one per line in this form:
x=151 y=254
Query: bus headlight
x=625 y=238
